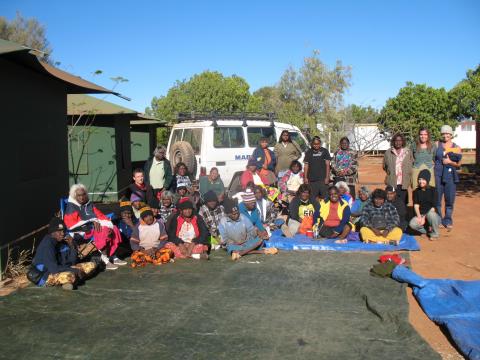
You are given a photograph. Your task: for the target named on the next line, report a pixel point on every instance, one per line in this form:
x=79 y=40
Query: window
x=176 y=136
x=228 y=137
x=256 y=133
x=467 y=127
x=295 y=136
x=194 y=137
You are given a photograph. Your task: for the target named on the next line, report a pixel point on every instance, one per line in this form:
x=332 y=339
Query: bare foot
x=235 y=256
x=270 y=251
x=341 y=241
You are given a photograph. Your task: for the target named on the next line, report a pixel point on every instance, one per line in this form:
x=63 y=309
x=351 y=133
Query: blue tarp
x=302 y=242
x=454 y=304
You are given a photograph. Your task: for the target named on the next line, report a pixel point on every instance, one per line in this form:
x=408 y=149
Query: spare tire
x=182 y=151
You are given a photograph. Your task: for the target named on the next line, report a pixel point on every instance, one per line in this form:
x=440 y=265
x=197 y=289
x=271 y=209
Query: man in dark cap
x=187 y=233
x=212 y=213
x=426 y=221
x=55 y=261
x=239 y=234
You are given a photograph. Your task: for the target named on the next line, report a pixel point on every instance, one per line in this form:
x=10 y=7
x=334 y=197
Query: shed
x=35 y=163
x=106 y=141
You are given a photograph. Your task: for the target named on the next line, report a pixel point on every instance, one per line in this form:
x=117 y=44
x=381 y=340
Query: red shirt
x=332 y=219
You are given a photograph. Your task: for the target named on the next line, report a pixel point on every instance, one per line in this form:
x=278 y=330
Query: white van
x=225 y=142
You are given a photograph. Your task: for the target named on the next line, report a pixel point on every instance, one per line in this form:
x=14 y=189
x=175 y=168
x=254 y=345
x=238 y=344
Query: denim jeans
x=447 y=191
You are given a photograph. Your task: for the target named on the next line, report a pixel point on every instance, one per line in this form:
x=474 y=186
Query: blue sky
x=155 y=43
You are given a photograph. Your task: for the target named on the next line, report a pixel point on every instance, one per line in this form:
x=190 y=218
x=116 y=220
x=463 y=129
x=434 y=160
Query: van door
x=228 y=153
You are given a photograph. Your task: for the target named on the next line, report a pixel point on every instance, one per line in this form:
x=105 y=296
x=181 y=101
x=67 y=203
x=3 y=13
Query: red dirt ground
x=454 y=255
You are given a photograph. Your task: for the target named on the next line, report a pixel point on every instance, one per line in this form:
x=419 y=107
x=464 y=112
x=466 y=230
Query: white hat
x=446 y=129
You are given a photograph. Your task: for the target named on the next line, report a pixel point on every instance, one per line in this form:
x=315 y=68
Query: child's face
x=212 y=205
x=362 y=196
x=167 y=202
x=137 y=204
x=182 y=191
x=126 y=214
x=295 y=169
x=258 y=194
x=422 y=183
x=148 y=219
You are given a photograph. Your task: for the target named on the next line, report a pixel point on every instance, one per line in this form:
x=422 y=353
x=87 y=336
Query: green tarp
x=306 y=305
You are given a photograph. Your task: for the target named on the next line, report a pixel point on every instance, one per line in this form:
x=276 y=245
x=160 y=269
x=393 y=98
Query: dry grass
x=18 y=266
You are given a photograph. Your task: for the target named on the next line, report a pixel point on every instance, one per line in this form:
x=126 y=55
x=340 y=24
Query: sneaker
x=286 y=231
x=117 y=261
x=67 y=286
x=110 y=266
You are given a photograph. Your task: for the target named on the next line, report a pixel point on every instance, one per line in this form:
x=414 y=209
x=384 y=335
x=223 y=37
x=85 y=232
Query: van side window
x=228 y=137
x=256 y=133
x=299 y=140
x=194 y=137
x=176 y=136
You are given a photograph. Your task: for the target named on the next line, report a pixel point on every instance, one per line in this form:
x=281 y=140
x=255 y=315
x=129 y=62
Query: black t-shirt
x=424 y=198
x=317 y=168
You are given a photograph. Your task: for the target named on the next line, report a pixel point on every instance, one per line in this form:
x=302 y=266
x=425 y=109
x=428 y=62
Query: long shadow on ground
x=295 y=305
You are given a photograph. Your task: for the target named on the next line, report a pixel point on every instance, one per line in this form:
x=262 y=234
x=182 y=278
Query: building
x=106 y=141
x=34 y=154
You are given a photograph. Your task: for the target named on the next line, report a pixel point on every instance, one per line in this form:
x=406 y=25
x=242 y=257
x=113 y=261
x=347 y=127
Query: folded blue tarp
x=302 y=242
x=454 y=304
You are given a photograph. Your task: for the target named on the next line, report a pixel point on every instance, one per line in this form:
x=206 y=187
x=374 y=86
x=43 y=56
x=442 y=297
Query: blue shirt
x=254 y=216
x=236 y=232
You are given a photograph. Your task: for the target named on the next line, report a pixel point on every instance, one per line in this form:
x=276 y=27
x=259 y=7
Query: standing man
x=158 y=171
x=317 y=168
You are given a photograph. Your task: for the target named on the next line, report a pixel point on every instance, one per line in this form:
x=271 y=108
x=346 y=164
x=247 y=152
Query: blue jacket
x=259 y=156
x=54 y=257
x=449 y=172
x=254 y=216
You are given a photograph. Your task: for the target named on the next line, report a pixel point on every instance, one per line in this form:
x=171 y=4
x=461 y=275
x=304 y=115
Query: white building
x=368 y=137
x=465 y=135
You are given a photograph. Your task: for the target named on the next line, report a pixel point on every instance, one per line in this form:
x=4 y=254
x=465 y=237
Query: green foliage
x=416 y=106
x=27 y=32
x=357 y=114
x=208 y=91
x=466 y=96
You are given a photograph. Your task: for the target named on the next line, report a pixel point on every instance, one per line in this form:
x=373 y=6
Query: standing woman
x=447 y=160
x=423 y=156
x=397 y=163
x=285 y=151
x=345 y=165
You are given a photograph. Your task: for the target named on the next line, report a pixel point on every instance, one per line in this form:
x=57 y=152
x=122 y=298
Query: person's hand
x=447 y=161
x=96 y=226
x=69 y=240
x=385 y=233
x=377 y=232
x=305 y=181
x=334 y=235
x=263 y=235
x=421 y=220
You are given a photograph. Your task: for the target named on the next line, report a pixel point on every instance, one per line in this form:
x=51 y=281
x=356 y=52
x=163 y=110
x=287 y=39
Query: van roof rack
x=214 y=115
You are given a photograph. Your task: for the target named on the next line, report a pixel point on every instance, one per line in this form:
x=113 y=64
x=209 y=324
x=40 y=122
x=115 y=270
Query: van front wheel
x=182 y=151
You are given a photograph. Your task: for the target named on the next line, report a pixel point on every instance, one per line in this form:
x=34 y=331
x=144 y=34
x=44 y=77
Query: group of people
x=167 y=214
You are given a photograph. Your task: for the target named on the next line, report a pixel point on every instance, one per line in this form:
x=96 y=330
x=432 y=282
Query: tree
x=466 y=96
x=27 y=32
x=416 y=106
x=208 y=91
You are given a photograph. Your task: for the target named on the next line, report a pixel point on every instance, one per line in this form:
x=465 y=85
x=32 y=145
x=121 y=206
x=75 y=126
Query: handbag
x=35 y=275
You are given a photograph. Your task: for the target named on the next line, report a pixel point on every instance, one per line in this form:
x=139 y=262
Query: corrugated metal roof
x=79 y=104
x=75 y=85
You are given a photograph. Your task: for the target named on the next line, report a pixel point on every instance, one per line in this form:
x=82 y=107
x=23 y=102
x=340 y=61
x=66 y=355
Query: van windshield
x=256 y=133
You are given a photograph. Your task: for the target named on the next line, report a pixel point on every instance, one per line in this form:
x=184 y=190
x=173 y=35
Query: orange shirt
x=332 y=219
